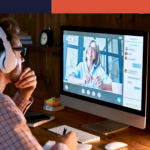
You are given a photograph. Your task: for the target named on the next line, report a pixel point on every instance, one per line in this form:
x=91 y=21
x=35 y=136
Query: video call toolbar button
x=119 y=100
x=83 y=91
x=93 y=93
x=66 y=87
x=99 y=94
x=88 y=92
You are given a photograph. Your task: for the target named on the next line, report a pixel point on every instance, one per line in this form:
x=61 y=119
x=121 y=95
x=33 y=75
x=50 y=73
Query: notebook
x=35 y=119
x=49 y=144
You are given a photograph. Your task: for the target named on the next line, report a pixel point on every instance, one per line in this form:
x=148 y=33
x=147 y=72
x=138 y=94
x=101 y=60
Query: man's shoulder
x=4 y=97
x=6 y=101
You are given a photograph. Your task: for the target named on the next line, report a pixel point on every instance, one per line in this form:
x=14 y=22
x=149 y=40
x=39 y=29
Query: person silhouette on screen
x=89 y=72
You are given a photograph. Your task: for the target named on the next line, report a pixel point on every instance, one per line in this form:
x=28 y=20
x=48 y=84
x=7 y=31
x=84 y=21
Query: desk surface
x=135 y=138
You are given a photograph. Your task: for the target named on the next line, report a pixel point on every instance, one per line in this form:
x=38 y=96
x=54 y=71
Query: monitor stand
x=105 y=127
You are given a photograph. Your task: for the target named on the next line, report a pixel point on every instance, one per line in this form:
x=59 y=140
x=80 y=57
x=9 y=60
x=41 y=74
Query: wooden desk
x=135 y=138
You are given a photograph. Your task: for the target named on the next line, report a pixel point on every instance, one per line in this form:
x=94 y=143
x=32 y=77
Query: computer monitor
x=104 y=72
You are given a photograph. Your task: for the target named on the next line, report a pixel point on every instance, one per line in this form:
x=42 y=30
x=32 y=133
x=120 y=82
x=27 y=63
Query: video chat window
x=110 y=53
x=115 y=61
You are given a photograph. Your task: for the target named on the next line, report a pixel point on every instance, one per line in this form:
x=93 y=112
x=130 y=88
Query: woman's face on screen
x=91 y=52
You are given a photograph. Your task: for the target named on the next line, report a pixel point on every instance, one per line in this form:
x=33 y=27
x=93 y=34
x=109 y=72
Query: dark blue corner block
x=25 y=6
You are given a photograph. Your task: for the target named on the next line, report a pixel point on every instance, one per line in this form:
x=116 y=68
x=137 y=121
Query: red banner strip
x=98 y=6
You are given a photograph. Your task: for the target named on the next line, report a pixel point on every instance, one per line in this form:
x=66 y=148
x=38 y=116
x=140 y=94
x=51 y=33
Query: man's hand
x=27 y=83
x=69 y=139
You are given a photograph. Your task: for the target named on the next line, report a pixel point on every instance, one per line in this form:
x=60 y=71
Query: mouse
x=115 y=145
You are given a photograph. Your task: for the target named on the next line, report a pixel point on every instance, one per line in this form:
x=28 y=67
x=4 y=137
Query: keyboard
x=83 y=137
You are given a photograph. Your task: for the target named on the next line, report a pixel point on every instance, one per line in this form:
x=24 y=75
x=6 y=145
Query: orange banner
x=98 y=6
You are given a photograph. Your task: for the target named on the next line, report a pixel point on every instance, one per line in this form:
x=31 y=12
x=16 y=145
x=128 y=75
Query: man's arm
x=15 y=134
x=22 y=103
x=27 y=83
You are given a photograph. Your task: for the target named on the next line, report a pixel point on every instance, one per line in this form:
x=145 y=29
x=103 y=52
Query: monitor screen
x=106 y=67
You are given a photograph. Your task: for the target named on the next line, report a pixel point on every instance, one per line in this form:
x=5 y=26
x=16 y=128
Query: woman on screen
x=89 y=72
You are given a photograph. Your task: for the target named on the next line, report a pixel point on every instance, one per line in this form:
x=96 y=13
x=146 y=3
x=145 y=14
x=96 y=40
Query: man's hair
x=11 y=28
x=97 y=60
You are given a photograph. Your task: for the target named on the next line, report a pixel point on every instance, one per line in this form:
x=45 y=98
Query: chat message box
x=135 y=65
x=132 y=72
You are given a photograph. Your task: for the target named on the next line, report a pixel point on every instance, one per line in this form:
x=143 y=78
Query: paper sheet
x=49 y=144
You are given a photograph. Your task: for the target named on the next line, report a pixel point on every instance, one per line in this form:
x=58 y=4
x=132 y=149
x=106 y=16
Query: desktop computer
x=104 y=72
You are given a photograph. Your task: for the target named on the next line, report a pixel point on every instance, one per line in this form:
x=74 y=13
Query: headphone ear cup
x=8 y=60
x=2 y=59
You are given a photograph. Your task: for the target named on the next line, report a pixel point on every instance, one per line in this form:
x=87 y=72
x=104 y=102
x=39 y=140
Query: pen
x=65 y=130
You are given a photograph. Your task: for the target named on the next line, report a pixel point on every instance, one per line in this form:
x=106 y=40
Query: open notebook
x=49 y=144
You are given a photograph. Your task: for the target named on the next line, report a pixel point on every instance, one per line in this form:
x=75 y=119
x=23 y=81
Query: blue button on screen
x=119 y=100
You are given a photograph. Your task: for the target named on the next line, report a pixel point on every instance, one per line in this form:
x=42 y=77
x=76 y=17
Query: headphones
x=8 y=60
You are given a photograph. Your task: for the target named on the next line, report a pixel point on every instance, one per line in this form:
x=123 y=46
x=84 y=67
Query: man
x=14 y=133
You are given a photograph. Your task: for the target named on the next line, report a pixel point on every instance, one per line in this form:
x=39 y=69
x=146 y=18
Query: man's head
x=11 y=29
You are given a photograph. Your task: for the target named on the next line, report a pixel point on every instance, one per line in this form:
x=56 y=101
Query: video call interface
x=104 y=67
